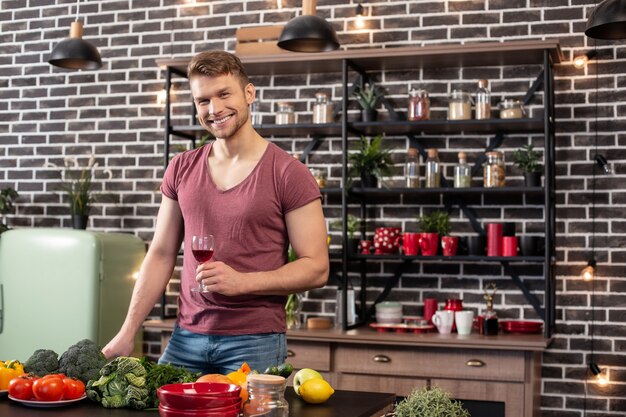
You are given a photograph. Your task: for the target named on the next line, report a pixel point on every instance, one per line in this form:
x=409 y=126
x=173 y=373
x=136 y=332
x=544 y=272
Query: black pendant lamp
x=608 y=20
x=308 y=33
x=74 y=52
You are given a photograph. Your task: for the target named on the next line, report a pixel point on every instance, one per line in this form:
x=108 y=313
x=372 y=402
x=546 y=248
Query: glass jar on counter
x=511 y=109
x=266 y=396
x=493 y=170
x=419 y=105
x=255 y=112
x=459 y=105
x=320 y=176
x=322 y=109
x=285 y=114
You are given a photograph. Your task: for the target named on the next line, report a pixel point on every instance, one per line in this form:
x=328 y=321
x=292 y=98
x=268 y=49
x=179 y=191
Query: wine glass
x=202 y=247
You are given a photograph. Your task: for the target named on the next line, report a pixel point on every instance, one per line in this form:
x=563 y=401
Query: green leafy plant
x=527 y=159
x=433 y=402
x=371 y=158
x=435 y=222
x=368 y=95
x=351 y=225
x=7 y=196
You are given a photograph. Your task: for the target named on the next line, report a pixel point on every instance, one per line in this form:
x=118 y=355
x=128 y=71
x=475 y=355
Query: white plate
x=47 y=404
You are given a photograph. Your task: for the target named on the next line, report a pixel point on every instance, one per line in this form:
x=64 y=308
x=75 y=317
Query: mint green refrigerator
x=59 y=286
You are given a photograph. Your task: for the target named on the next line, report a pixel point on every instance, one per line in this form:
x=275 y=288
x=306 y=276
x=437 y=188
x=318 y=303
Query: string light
x=359 y=21
x=600 y=375
x=589 y=272
x=581 y=60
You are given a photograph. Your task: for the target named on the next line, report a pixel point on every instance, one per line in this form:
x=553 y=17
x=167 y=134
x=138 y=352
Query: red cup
x=449 y=244
x=366 y=247
x=494 y=239
x=509 y=246
x=429 y=243
x=430 y=306
x=410 y=243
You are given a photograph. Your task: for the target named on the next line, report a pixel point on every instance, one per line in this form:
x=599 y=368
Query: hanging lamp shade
x=308 y=33
x=607 y=21
x=74 y=52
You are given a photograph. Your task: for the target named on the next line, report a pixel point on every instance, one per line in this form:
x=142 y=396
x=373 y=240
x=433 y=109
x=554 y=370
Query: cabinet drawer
x=429 y=363
x=309 y=355
x=401 y=386
x=509 y=393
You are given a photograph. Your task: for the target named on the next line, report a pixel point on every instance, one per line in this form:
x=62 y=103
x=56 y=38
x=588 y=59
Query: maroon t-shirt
x=248 y=223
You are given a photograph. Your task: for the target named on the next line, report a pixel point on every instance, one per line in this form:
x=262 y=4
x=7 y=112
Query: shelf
x=395 y=58
x=390 y=192
x=457 y=258
x=388 y=127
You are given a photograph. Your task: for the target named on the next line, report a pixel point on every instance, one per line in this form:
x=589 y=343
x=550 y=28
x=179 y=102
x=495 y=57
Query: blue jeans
x=223 y=354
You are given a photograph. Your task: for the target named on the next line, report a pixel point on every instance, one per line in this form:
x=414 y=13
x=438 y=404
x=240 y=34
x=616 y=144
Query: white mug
x=464 y=321
x=444 y=319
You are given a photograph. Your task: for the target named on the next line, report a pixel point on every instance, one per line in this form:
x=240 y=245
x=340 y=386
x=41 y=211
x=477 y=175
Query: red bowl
x=196 y=401
x=207 y=389
x=175 y=412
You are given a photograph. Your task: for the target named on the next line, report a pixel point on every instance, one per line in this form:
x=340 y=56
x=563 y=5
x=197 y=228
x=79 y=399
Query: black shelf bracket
x=392 y=282
x=313 y=144
x=530 y=297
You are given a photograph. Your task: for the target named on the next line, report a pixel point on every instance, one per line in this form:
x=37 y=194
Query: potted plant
x=371 y=161
x=352 y=225
x=430 y=402
x=7 y=196
x=527 y=159
x=432 y=226
x=369 y=96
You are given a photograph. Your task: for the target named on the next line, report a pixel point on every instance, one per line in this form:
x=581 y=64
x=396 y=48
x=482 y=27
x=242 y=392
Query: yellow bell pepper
x=9 y=370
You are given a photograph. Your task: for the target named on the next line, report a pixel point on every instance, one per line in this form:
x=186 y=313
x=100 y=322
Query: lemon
x=315 y=391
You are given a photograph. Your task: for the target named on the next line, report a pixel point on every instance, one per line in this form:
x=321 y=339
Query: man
x=254 y=199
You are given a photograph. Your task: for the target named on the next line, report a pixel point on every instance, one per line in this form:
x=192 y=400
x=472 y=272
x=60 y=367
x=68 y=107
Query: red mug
x=410 y=243
x=429 y=243
x=386 y=240
x=366 y=247
x=449 y=245
x=509 y=246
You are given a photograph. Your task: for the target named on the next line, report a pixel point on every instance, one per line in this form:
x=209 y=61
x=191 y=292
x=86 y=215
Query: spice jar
x=459 y=106
x=322 y=109
x=419 y=105
x=493 y=170
x=255 y=112
x=285 y=114
x=320 y=177
x=266 y=396
x=511 y=109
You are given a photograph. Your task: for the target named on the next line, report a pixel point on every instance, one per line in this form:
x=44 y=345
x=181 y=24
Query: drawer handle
x=290 y=353
x=382 y=359
x=475 y=363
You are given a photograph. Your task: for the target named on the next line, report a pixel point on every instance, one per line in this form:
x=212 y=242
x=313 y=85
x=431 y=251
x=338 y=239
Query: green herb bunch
x=433 y=402
x=527 y=159
x=7 y=196
x=158 y=375
x=368 y=95
x=371 y=158
x=352 y=225
x=435 y=222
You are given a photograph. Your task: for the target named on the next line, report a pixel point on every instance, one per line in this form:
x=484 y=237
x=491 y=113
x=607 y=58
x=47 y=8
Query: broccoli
x=82 y=360
x=42 y=362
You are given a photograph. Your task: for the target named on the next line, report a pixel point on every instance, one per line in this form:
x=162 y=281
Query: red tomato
x=73 y=389
x=48 y=389
x=61 y=376
x=21 y=388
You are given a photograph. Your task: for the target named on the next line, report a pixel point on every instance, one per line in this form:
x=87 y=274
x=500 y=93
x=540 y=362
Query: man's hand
x=220 y=278
x=120 y=345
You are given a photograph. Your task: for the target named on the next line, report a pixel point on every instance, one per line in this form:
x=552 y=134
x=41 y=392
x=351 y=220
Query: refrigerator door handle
x=1 y=308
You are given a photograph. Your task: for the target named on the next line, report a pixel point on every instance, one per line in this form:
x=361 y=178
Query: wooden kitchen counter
x=341 y=404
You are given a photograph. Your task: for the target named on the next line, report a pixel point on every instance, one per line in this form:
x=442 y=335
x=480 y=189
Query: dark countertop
x=341 y=404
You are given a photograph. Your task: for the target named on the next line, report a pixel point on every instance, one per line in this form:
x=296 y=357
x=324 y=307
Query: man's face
x=222 y=103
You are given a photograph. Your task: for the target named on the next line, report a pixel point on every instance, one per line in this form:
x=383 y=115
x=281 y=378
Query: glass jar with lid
x=285 y=114
x=266 y=396
x=322 y=109
x=493 y=170
x=459 y=105
x=419 y=105
x=511 y=109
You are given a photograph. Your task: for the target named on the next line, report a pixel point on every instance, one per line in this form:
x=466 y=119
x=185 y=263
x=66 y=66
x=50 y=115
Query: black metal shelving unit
x=543 y=53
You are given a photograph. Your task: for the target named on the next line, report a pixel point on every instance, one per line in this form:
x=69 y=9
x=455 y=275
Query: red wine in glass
x=202 y=247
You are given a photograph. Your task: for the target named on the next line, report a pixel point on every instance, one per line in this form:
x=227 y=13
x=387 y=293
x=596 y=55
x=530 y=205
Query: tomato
x=48 y=389
x=73 y=388
x=21 y=388
x=61 y=376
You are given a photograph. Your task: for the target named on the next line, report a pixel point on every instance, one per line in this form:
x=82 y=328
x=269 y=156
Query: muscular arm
x=307 y=234
x=154 y=275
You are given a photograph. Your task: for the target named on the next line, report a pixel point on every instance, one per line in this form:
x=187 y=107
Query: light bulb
x=600 y=375
x=589 y=272
x=359 y=21
x=580 y=61
x=161 y=97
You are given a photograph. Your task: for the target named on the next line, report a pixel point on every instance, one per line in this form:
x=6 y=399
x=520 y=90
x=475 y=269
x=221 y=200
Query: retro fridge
x=59 y=286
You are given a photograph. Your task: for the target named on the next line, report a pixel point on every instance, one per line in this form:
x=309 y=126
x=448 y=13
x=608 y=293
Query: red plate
x=521 y=326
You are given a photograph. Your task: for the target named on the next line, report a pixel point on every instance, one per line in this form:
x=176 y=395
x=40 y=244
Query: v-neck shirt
x=248 y=223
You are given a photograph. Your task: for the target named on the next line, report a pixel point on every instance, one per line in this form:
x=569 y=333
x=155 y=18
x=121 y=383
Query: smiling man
x=255 y=199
